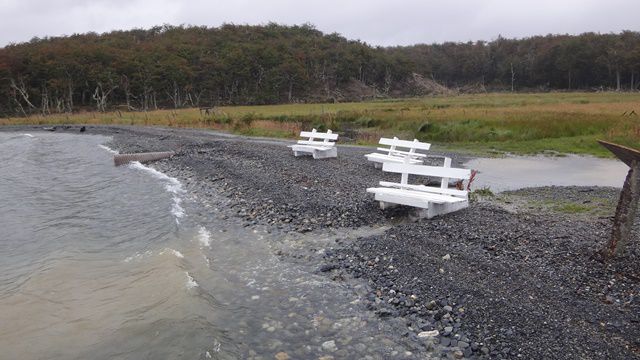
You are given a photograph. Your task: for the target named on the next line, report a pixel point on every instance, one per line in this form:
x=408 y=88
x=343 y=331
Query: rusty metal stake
x=628 y=204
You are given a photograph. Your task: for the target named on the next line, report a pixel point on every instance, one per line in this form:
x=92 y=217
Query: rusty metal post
x=628 y=204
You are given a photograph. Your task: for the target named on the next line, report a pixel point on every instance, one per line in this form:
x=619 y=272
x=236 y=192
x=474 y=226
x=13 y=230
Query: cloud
x=378 y=22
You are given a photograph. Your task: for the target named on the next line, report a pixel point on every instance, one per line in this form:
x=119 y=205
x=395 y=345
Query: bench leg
x=387 y=205
x=296 y=154
x=440 y=209
x=330 y=153
x=377 y=165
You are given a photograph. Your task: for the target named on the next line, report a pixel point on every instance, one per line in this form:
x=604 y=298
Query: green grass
x=573 y=208
x=482 y=123
x=484 y=192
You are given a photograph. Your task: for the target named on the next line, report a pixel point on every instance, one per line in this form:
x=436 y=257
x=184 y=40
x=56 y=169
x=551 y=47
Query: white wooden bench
x=392 y=154
x=318 y=149
x=432 y=200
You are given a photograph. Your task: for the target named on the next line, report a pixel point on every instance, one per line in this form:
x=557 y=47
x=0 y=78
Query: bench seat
x=382 y=158
x=318 y=149
x=412 y=197
x=430 y=200
x=318 y=152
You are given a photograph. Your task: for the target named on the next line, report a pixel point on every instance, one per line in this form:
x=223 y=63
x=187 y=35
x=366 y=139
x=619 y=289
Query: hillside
x=177 y=67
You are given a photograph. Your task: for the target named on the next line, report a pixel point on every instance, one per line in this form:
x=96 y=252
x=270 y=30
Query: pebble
x=427 y=334
x=329 y=346
x=282 y=356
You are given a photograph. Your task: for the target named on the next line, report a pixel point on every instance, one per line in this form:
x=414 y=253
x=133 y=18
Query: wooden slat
x=319 y=135
x=402 y=153
x=431 y=189
x=426 y=170
x=395 y=195
x=320 y=143
x=405 y=143
x=444 y=183
x=309 y=148
x=387 y=158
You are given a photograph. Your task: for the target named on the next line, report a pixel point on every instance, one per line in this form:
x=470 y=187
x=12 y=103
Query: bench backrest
x=314 y=134
x=445 y=172
x=395 y=143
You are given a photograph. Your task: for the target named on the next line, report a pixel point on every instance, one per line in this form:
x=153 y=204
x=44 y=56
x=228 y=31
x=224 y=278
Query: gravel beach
x=516 y=275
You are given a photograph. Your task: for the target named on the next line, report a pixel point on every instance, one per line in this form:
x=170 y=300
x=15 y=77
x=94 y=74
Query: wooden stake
x=629 y=197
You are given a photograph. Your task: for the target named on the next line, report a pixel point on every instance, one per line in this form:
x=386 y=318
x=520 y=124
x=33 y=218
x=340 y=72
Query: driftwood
x=628 y=204
x=121 y=159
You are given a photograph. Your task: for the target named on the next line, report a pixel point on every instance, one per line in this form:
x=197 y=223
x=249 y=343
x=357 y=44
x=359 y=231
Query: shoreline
x=501 y=279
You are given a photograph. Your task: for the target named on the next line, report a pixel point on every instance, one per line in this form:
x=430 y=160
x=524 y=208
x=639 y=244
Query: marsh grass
x=486 y=123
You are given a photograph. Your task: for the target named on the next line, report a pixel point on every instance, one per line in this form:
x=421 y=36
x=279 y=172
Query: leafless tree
x=100 y=95
x=20 y=92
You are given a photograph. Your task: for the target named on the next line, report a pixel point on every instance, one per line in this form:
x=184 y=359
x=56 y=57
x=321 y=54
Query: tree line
x=188 y=66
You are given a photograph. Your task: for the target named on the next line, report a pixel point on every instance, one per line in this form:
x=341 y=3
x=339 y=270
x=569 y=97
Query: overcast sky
x=378 y=22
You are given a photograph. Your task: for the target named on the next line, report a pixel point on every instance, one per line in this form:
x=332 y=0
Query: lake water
x=104 y=262
x=511 y=173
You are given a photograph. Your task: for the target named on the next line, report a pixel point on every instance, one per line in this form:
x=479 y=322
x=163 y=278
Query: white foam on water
x=176 y=209
x=137 y=256
x=28 y=135
x=190 y=282
x=104 y=147
x=172 y=185
x=204 y=237
x=176 y=253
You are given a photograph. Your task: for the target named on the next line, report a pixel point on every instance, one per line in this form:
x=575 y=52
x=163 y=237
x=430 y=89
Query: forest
x=171 y=67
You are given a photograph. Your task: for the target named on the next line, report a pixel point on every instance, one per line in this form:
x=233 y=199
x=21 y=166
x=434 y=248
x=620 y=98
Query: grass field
x=484 y=123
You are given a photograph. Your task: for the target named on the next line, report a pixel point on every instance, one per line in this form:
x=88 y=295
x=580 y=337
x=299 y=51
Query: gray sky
x=378 y=22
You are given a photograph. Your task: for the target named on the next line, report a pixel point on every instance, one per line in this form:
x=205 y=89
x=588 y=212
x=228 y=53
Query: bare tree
x=387 y=81
x=126 y=87
x=513 y=77
x=20 y=92
x=101 y=96
x=174 y=95
x=44 y=101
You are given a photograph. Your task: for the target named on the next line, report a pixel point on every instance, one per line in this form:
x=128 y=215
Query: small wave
x=107 y=148
x=204 y=237
x=172 y=185
x=177 y=253
x=190 y=282
x=28 y=135
x=137 y=256
x=176 y=209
